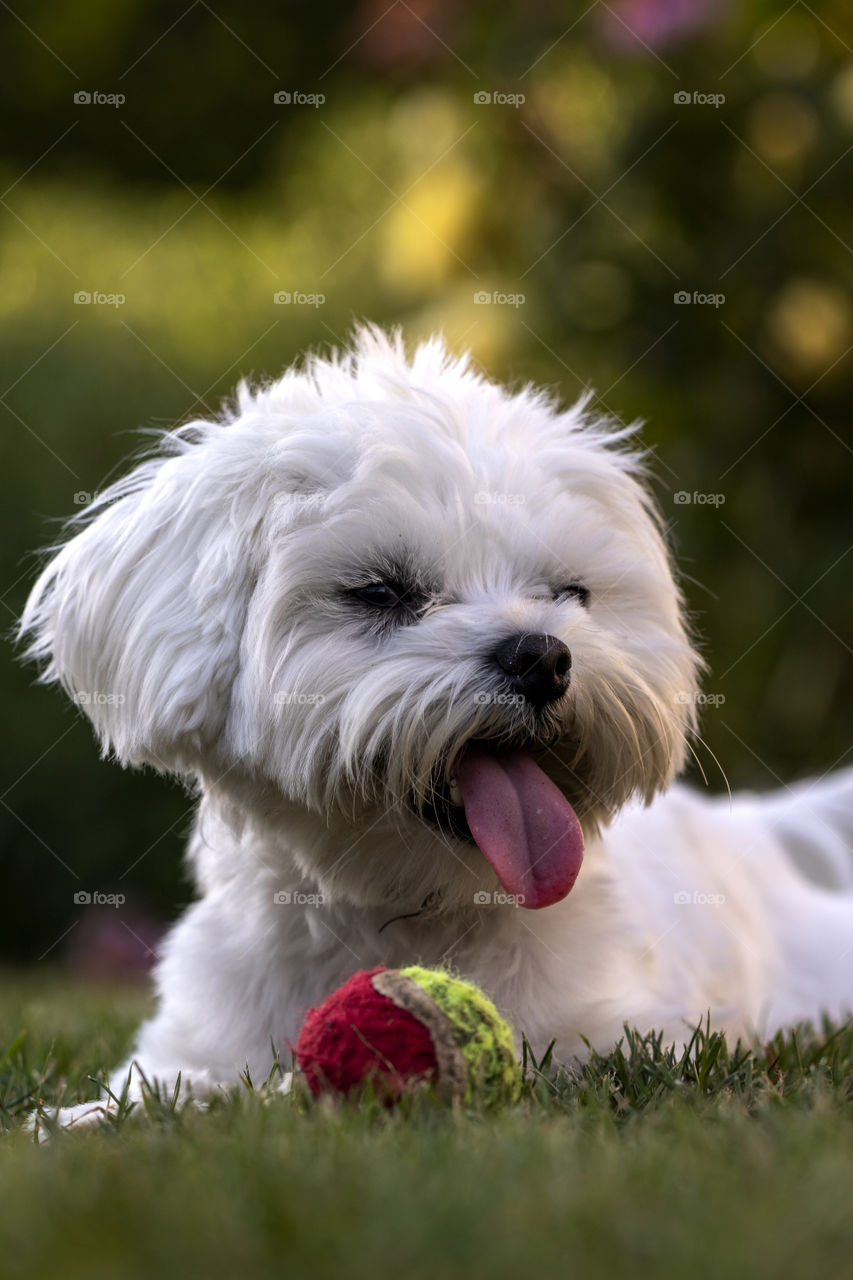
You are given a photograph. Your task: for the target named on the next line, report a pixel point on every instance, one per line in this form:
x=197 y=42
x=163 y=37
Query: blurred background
x=645 y=197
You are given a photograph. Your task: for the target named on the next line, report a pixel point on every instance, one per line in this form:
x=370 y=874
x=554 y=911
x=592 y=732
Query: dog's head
x=394 y=609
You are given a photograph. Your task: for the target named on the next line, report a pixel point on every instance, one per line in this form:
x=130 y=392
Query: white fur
x=201 y=601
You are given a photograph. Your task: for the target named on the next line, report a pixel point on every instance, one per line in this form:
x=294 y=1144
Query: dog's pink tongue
x=523 y=823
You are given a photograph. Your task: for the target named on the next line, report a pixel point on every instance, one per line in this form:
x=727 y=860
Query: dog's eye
x=377 y=594
x=390 y=602
x=574 y=591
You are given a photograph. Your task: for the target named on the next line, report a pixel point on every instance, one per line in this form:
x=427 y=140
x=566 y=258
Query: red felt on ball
x=357 y=1035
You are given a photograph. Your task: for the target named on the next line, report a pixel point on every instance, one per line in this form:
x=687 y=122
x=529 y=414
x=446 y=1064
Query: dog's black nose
x=539 y=667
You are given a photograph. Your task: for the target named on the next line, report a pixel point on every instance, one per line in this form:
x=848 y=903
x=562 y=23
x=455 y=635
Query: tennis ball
x=403 y=1029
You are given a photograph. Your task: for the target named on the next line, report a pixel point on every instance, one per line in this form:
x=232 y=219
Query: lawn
x=720 y=1163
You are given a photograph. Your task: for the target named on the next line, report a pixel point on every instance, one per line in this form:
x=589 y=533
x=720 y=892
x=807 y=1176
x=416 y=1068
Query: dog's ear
x=139 y=614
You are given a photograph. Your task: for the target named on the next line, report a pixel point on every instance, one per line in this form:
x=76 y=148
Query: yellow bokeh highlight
x=810 y=324
x=425 y=238
x=782 y=126
x=841 y=95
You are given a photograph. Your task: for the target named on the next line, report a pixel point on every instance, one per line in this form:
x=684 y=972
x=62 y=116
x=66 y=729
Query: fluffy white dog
x=416 y=640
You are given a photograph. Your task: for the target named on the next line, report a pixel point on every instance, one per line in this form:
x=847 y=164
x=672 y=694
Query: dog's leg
x=125 y=1092
x=814 y=821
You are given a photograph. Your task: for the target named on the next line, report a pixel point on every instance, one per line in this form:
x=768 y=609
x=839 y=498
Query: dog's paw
x=90 y=1115
x=278 y=1087
x=86 y=1115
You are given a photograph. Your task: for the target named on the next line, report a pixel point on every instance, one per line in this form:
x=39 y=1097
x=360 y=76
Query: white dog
x=416 y=640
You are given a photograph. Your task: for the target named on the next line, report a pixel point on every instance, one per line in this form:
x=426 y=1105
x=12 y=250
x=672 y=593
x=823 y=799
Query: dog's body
x=410 y=632
x=687 y=906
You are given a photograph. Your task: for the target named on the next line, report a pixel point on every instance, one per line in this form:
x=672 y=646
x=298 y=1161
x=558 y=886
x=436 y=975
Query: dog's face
x=421 y=625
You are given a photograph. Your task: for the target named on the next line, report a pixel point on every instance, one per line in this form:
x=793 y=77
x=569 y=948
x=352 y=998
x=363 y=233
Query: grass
x=721 y=1161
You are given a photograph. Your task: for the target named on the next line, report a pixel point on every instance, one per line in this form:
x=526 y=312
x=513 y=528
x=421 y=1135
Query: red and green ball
x=400 y=1030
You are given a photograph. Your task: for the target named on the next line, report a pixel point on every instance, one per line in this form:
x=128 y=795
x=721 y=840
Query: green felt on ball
x=482 y=1036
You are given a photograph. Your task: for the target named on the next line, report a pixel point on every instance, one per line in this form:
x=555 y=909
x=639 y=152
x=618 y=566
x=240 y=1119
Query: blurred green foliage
x=400 y=197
